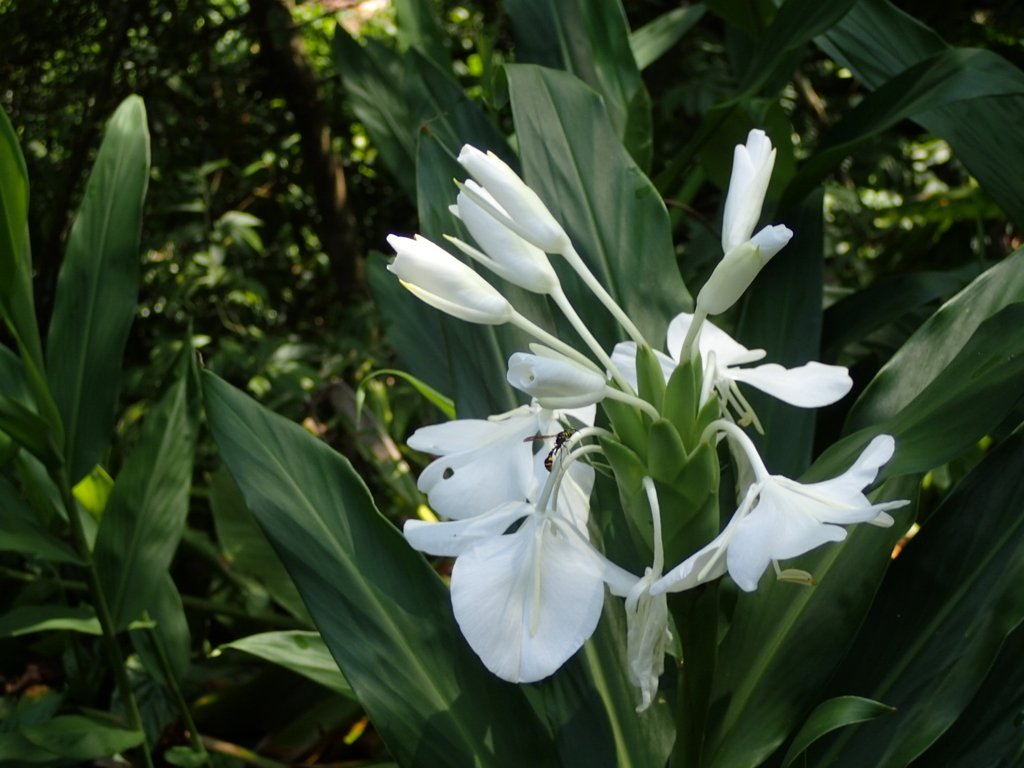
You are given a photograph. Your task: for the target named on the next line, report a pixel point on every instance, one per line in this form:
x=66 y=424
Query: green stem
x=179 y=698
x=106 y=618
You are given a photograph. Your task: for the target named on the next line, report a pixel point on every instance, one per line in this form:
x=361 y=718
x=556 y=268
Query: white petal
x=727 y=350
x=694 y=570
x=452 y=539
x=807 y=386
x=454 y=486
x=751 y=172
x=469 y=434
x=624 y=357
x=557 y=382
x=526 y=602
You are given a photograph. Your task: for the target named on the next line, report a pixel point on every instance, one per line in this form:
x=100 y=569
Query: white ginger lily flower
x=484 y=463
x=436 y=277
x=504 y=252
x=738 y=268
x=555 y=380
x=780 y=518
x=752 y=165
x=525 y=601
x=811 y=385
x=521 y=210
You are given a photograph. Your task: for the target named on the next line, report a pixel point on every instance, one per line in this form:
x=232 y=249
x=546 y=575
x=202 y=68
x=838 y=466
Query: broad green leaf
x=785 y=640
x=573 y=159
x=949 y=77
x=29 y=431
x=418 y=28
x=246 y=548
x=81 y=738
x=877 y=41
x=16 y=297
x=830 y=715
x=302 y=652
x=655 y=38
x=937 y=342
x=165 y=647
x=97 y=290
x=427 y=392
x=942 y=615
x=591 y=41
x=971 y=396
x=23 y=533
x=146 y=512
x=988 y=732
x=28 y=619
x=782 y=315
x=383 y=613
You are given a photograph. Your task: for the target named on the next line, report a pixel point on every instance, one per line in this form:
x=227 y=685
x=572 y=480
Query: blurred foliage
x=233 y=256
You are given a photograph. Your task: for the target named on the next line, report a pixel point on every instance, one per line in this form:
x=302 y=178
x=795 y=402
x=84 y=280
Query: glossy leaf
x=304 y=653
x=29 y=619
x=77 y=737
x=937 y=342
x=609 y=208
x=383 y=613
x=146 y=512
x=97 y=290
x=591 y=41
x=653 y=40
x=953 y=596
x=831 y=715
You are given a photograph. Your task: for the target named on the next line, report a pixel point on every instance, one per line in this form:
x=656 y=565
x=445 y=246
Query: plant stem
x=106 y=619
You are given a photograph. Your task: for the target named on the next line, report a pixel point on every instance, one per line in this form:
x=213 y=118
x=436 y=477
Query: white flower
x=525 y=601
x=445 y=283
x=780 y=518
x=526 y=214
x=751 y=171
x=555 y=380
x=504 y=252
x=738 y=268
x=811 y=385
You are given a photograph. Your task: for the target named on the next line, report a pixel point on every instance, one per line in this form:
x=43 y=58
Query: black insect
x=560 y=440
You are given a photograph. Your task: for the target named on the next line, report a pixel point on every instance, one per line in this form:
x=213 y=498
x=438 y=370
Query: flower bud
x=751 y=171
x=738 y=268
x=528 y=216
x=505 y=252
x=554 y=380
x=445 y=283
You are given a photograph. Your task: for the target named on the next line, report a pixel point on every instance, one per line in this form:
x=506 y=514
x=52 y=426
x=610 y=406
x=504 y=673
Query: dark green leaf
x=81 y=738
x=418 y=28
x=830 y=715
x=383 y=613
x=97 y=290
x=146 y=512
x=165 y=647
x=23 y=533
x=302 y=652
x=656 y=38
x=941 y=617
x=27 y=619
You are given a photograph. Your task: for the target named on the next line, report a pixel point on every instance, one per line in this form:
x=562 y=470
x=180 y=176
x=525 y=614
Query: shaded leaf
x=830 y=715
x=304 y=653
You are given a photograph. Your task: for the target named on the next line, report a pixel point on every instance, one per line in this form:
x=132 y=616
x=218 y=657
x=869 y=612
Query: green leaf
x=782 y=314
x=655 y=38
x=427 y=392
x=304 y=653
x=23 y=533
x=29 y=431
x=949 y=77
x=573 y=159
x=383 y=613
x=830 y=715
x=970 y=397
x=146 y=512
x=166 y=646
x=16 y=298
x=246 y=548
x=591 y=41
x=950 y=600
x=419 y=28
x=937 y=342
x=28 y=619
x=877 y=41
x=82 y=738
x=97 y=290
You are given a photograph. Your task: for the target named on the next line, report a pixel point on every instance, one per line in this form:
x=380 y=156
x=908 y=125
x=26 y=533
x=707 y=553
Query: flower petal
x=527 y=601
x=451 y=539
x=807 y=386
x=727 y=350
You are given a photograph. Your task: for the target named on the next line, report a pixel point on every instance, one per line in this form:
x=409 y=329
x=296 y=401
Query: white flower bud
x=738 y=268
x=751 y=171
x=528 y=216
x=555 y=380
x=505 y=252
x=445 y=283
